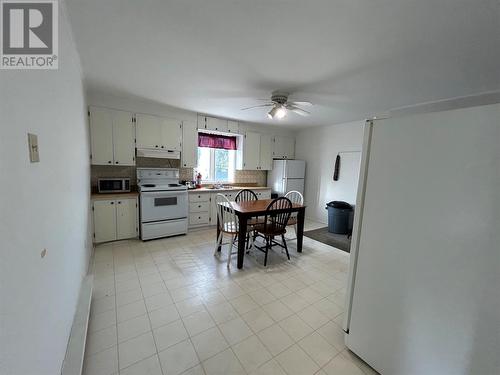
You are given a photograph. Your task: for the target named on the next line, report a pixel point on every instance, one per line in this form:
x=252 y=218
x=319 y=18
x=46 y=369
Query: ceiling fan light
x=280 y=113
x=272 y=112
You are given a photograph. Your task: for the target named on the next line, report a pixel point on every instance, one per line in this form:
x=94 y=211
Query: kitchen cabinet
x=115 y=219
x=266 y=153
x=126 y=218
x=189 y=153
x=233 y=127
x=104 y=221
x=199 y=209
x=171 y=134
x=155 y=132
x=283 y=147
x=216 y=124
x=112 y=137
x=255 y=152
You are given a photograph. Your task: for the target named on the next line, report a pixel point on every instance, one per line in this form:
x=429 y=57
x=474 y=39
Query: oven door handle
x=161 y=194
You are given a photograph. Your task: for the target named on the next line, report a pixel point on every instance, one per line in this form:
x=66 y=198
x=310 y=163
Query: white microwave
x=113 y=185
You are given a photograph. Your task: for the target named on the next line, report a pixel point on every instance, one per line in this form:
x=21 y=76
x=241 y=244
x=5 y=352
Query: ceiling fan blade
x=307 y=104
x=258 y=106
x=298 y=111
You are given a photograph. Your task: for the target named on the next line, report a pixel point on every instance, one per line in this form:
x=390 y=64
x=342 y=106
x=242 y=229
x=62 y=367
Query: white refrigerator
x=287 y=175
x=423 y=294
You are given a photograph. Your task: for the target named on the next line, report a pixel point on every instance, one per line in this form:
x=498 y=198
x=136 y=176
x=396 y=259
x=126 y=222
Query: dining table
x=246 y=210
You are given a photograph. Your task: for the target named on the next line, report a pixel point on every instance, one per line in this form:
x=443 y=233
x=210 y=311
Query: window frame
x=212 y=165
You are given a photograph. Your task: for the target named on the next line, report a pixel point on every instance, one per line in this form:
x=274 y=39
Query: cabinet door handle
x=156 y=146
x=199 y=206
x=109 y=161
x=162 y=146
x=116 y=162
x=112 y=202
x=119 y=202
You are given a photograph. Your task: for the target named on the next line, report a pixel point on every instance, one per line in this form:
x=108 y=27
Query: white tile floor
x=169 y=307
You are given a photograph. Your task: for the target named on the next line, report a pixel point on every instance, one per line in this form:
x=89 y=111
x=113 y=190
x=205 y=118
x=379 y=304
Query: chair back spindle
x=246 y=195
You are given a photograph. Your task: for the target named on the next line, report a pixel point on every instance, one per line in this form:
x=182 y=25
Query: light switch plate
x=33 y=148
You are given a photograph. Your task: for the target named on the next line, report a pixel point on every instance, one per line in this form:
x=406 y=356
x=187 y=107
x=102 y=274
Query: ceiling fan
x=280 y=106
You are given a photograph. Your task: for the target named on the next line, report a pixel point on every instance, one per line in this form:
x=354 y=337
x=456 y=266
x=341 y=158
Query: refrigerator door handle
x=358 y=221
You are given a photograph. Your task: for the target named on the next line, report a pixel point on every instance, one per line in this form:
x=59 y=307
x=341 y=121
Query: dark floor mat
x=340 y=241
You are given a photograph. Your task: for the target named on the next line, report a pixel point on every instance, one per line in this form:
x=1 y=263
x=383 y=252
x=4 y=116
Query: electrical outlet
x=33 y=148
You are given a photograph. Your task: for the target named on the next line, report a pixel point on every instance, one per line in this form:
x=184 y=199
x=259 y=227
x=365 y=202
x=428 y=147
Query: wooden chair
x=228 y=224
x=274 y=225
x=247 y=195
x=296 y=198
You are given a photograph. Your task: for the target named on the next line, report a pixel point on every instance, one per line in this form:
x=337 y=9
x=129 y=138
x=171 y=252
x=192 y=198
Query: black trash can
x=339 y=214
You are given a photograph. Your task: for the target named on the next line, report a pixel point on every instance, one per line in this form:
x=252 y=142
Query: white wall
x=319 y=146
x=42 y=206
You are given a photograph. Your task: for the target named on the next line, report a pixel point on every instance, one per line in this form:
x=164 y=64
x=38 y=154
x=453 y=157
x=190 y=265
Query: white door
x=266 y=157
x=293 y=184
x=189 y=144
x=251 y=151
x=171 y=134
x=101 y=136
x=148 y=131
x=123 y=138
x=232 y=127
x=104 y=221
x=216 y=124
x=126 y=218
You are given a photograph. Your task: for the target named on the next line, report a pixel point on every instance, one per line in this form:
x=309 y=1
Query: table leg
x=218 y=234
x=300 y=228
x=241 y=240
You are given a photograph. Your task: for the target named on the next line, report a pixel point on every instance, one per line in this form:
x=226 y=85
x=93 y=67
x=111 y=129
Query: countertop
x=235 y=188
x=108 y=196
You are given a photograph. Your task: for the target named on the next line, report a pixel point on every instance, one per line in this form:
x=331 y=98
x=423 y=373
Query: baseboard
x=73 y=361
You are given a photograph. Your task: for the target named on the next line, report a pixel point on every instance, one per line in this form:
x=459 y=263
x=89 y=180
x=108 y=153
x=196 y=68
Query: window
x=216 y=164
x=216 y=157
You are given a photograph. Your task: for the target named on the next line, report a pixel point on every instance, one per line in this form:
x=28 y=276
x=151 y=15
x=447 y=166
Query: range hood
x=158 y=153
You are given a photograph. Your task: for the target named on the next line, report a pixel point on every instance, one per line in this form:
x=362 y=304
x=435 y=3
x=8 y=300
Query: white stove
x=164 y=203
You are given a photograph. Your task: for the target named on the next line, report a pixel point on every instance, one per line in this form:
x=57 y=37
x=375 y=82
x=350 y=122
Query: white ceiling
x=352 y=58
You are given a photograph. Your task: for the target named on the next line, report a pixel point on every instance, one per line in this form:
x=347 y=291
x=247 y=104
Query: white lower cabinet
x=115 y=219
x=104 y=221
x=263 y=194
x=203 y=208
x=199 y=209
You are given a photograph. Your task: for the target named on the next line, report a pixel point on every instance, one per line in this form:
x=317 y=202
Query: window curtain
x=216 y=141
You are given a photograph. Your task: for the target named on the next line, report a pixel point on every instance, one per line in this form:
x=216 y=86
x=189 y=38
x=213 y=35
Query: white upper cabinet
x=123 y=138
x=171 y=134
x=216 y=124
x=112 y=137
x=232 y=127
x=189 y=144
x=148 y=131
x=158 y=132
x=284 y=147
x=101 y=136
x=266 y=152
x=251 y=151
x=255 y=152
